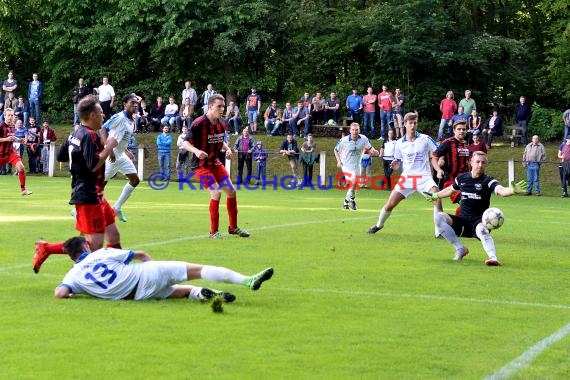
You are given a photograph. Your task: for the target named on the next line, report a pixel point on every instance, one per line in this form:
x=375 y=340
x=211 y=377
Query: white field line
x=529 y=355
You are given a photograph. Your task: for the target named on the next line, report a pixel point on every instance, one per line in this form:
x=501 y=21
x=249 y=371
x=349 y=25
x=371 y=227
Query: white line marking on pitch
x=524 y=360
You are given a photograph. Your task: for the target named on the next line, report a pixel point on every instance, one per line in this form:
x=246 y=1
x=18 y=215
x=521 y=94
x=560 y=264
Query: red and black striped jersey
x=208 y=137
x=6 y=147
x=456 y=156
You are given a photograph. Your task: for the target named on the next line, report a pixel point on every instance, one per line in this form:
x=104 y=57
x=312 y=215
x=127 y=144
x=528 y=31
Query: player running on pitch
x=413 y=152
x=116 y=134
x=348 y=152
x=476 y=188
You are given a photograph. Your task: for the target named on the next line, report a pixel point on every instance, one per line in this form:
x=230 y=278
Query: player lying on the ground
x=476 y=188
x=108 y=273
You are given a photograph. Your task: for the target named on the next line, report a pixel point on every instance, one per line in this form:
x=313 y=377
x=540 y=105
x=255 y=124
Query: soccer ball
x=493 y=218
x=331 y=122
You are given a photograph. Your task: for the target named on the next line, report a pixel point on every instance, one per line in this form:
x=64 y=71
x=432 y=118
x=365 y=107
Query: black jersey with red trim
x=475 y=194
x=456 y=155
x=82 y=149
x=208 y=137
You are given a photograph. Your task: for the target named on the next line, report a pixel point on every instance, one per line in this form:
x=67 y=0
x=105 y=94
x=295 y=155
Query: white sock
x=446 y=231
x=487 y=241
x=125 y=194
x=384 y=215
x=195 y=293
x=221 y=274
x=350 y=194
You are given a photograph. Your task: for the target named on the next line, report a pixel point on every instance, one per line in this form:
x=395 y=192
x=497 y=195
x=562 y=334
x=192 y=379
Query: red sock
x=22 y=177
x=214 y=215
x=55 y=249
x=117 y=245
x=231 y=204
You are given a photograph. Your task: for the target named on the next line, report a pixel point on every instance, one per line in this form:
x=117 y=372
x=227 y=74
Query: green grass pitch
x=341 y=305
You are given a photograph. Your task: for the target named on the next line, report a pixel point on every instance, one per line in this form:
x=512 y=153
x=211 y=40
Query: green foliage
x=546 y=123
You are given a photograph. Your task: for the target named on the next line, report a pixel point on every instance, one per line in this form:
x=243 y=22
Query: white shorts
x=413 y=183
x=122 y=164
x=157 y=278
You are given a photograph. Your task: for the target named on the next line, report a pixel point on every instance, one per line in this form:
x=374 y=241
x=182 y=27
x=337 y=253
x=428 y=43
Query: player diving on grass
x=476 y=189
x=116 y=134
x=108 y=273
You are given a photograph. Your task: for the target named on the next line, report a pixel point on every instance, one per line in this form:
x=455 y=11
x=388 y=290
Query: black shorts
x=464 y=227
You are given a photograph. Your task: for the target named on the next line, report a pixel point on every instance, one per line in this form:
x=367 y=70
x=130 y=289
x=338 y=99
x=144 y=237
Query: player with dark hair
x=205 y=140
x=8 y=154
x=476 y=190
x=108 y=273
x=116 y=134
x=83 y=149
x=451 y=158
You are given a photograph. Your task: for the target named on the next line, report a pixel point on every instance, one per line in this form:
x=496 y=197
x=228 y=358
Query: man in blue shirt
x=354 y=105
x=35 y=92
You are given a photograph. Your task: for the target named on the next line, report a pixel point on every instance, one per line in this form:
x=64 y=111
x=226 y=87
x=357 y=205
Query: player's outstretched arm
x=432 y=197
x=519 y=187
x=62 y=292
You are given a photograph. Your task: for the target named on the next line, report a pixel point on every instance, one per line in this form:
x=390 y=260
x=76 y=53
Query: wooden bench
x=326 y=130
x=515 y=133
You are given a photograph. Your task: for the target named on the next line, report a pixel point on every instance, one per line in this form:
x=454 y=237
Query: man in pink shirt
x=385 y=104
x=448 y=106
x=369 y=107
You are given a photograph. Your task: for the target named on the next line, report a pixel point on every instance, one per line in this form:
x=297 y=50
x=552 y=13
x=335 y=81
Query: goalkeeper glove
x=430 y=197
x=519 y=187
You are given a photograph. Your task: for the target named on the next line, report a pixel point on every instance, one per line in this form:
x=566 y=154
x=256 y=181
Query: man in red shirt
x=447 y=106
x=8 y=154
x=385 y=104
x=205 y=140
x=369 y=108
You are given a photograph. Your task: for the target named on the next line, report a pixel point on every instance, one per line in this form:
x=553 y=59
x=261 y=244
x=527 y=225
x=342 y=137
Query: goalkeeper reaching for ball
x=476 y=189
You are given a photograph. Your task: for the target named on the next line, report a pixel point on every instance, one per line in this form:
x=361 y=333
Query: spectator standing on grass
x=47 y=136
x=564 y=156
x=106 y=94
x=522 y=117
x=385 y=105
x=566 y=120
x=468 y=103
x=309 y=156
x=79 y=92
x=369 y=109
x=290 y=149
x=447 y=106
x=260 y=158
x=398 y=112
x=164 y=145
x=183 y=158
x=109 y=274
x=533 y=156
x=190 y=94
x=244 y=148
x=206 y=96
x=33 y=148
x=35 y=92
x=387 y=155
x=10 y=86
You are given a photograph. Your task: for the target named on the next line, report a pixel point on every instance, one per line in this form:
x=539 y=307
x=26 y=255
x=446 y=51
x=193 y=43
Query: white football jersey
x=415 y=155
x=104 y=274
x=120 y=127
x=350 y=151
